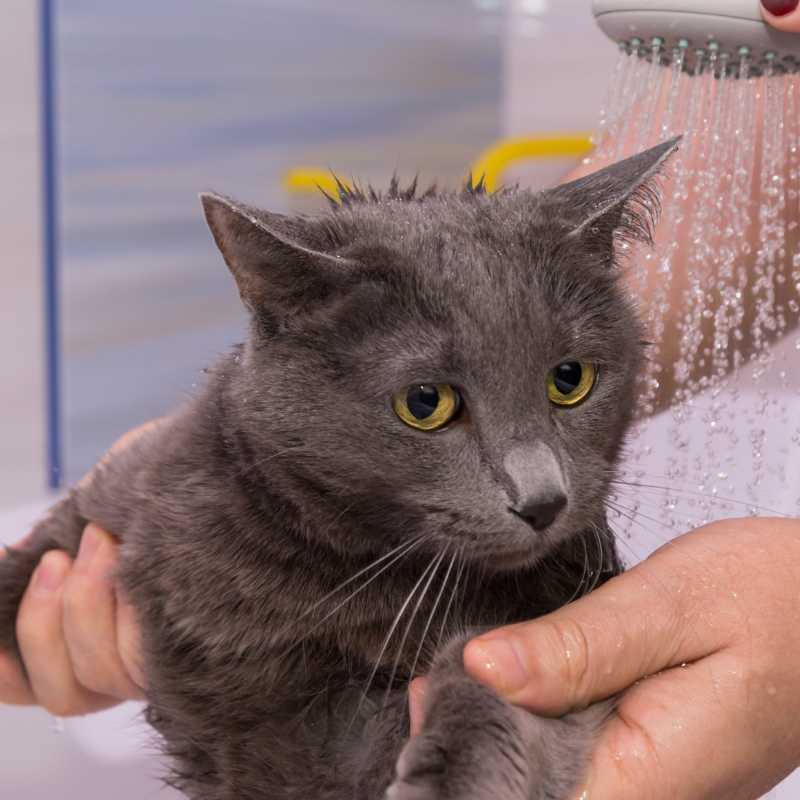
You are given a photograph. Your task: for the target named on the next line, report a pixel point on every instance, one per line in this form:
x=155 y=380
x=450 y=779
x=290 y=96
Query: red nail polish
x=780 y=8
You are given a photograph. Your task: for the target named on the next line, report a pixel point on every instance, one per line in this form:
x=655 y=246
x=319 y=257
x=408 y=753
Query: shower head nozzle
x=729 y=29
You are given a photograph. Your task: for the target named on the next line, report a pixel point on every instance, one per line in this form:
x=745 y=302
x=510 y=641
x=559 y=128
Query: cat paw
x=421 y=771
x=461 y=765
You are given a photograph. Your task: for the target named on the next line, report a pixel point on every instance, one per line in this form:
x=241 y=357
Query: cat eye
x=570 y=382
x=427 y=406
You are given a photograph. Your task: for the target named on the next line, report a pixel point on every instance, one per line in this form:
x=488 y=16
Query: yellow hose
x=309 y=179
x=499 y=157
x=491 y=165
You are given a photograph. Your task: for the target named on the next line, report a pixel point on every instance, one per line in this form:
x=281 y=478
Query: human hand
x=78 y=637
x=782 y=14
x=703 y=641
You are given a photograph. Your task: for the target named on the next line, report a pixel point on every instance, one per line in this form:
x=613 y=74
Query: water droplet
x=725 y=256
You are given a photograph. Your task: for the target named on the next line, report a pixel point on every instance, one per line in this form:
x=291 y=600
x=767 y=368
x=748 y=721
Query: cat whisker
x=431 y=616
x=585 y=572
x=658 y=507
x=407 y=548
x=361 y=572
x=410 y=624
x=643 y=566
x=390 y=633
x=453 y=593
x=623 y=540
x=595 y=579
x=633 y=516
x=704 y=495
x=661 y=523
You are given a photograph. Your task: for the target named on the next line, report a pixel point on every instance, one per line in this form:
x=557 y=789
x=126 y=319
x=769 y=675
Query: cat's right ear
x=274 y=259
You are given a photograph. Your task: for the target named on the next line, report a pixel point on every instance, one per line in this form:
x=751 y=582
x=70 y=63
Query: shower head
x=729 y=29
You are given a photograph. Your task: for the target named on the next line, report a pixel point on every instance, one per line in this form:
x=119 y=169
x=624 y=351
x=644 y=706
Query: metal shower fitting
x=720 y=33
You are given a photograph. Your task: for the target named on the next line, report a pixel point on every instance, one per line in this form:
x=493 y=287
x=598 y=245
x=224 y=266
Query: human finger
x=129 y=640
x=43 y=647
x=416 y=704
x=90 y=619
x=782 y=14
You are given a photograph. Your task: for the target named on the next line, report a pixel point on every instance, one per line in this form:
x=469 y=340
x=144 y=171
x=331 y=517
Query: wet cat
x=415 y=443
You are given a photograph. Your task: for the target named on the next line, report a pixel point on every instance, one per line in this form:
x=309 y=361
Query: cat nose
x=540 y=510
x=536 y=484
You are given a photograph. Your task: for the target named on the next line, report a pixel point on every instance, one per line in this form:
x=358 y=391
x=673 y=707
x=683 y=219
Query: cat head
x=457 y=369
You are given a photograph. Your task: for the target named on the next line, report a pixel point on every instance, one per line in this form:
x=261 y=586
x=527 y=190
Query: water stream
x=720 y=291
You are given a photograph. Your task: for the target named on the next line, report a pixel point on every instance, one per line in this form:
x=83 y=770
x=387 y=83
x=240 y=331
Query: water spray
x=694 y=29
x=721 y=291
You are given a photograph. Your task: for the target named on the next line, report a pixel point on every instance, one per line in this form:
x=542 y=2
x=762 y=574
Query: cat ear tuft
x=274 y=259
x=620 y=202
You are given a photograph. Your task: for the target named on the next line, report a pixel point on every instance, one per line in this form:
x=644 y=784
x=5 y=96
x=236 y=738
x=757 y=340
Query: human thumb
x=633 y=626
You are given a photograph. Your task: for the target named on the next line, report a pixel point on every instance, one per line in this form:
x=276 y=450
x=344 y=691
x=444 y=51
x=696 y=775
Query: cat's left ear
x=619 y=202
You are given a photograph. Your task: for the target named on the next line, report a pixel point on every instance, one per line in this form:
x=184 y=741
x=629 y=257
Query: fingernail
x=498 y=663
x=49 y=575
x=780 y=8
x=90 y=543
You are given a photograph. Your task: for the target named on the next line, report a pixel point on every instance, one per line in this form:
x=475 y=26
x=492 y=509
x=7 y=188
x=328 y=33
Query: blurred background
x=112 y=296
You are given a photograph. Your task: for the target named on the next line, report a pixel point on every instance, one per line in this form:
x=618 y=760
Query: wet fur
x=288 y=473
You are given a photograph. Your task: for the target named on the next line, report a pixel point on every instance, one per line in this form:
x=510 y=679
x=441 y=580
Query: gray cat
x=414 y=444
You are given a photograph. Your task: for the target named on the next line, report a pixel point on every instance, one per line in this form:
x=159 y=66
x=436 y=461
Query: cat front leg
x=476 y=746
x=471 y=747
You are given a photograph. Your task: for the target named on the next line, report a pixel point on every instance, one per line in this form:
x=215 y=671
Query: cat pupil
x=567 y=377
x=422 y=401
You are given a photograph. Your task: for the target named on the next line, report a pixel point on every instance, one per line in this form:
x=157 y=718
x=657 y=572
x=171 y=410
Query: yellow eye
x=427 y=406
x=571 y=382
